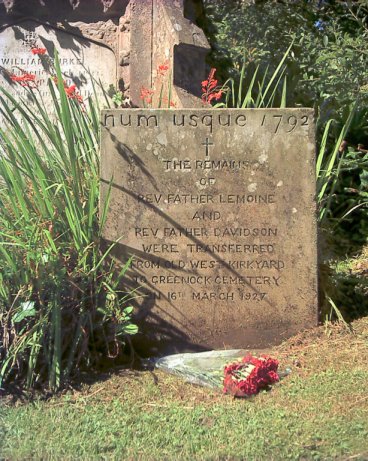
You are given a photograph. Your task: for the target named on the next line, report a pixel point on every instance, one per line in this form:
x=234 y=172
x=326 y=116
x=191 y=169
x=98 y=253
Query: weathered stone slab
x=217 y=208
x=86 y=63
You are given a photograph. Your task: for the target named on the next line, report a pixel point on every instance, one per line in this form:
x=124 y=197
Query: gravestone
x=79 y=59
x=217 y=209
x=121 y=45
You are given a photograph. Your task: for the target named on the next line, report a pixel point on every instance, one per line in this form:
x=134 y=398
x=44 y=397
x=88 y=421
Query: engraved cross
x=207 y=144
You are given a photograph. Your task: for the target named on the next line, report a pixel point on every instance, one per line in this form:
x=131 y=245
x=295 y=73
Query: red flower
x=26 y=79
x=162 y=69
x=70 y=90
x=72 y=93
x=210 y=90
x=215 y=95
x=146 y=95
x=145 y=92
x=37 y=50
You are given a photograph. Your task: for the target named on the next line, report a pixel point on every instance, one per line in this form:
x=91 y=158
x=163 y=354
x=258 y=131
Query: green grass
x=320 y=411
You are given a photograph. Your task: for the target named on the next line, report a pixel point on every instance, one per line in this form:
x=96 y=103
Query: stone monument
x=217 y=209
x=105 y=44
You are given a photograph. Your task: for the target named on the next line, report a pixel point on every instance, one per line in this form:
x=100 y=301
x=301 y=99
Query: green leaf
x=26 y=310
x=128 y=310
x=130 y=329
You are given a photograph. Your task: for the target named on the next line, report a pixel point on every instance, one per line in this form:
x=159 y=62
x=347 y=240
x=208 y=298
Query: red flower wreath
x=250 y=375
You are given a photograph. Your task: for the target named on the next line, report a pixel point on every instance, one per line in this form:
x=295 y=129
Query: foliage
x=60 y=304
x=326 y=171
x=255 y=89
x=349 y=203
x=326 y=67
x=118 y=98
x=342 y=180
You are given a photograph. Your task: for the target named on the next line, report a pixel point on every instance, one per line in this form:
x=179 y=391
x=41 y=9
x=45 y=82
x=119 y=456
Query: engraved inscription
x=80 y=59
x=217 y=223
x=275 y=123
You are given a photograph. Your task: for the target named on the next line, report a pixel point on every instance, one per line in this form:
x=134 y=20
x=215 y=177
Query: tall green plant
x=60 y=304
x=256 y=88
x=328 y=165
